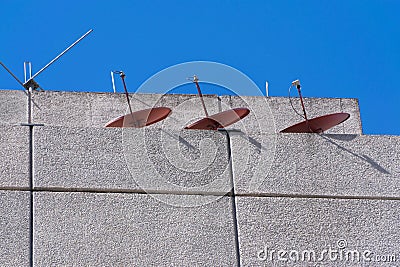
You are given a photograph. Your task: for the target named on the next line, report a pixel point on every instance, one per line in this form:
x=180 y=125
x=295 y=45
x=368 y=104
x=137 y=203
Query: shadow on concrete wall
x=363 y=157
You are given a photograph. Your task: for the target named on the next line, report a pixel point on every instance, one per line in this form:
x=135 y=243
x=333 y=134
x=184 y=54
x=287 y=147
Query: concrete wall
x=162 y=196
x=270 y=115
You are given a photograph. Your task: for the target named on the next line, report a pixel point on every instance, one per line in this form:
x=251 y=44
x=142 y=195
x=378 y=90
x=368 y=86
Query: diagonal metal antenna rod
x=302 y=103
x=57 y=57
x=298 y=87
x=196 y=81
x=122 y=75
x=12 y=74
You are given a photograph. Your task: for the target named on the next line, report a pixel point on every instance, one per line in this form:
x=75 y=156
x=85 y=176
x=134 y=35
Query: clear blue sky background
x=341 y=48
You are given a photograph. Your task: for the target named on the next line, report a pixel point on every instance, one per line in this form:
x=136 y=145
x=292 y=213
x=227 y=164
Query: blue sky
x=336 y=48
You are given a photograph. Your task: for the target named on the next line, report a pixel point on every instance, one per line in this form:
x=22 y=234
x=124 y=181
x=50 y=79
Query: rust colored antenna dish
x=219 y=120
x=318 y=125
x=315 y=125
x=139 y=118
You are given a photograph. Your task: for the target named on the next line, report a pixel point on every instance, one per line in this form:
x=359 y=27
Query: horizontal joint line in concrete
x=9 y=188
x=127 y=191
x=315 y=196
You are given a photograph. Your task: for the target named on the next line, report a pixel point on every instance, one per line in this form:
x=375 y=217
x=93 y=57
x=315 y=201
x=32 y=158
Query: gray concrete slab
x=96 y=109
x=14 y=155
x=132 y=159
x=61 y=108
x=13 y=106
x=318 y=232
x=91 y=229
x=14 y=228
x=311 y=164
x=268 y=115
x=353 y=124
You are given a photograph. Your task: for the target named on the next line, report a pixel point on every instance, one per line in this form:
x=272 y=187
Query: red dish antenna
x=219 y=120
x=139 y=118
x=315 y=125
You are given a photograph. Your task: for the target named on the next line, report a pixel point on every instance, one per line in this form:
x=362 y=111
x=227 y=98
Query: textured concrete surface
x=14 y=156
x=68 y=157
x=156 y=196
x=285 y=231
x=149 y=159
x=14 y=228
x=96 y=109
x=283 y=116
x=353 y=124
x=90 y=229
x=311 y=164
x=13 y=106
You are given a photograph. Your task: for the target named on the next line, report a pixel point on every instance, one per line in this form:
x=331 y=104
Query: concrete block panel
x=132 y=159
x=273 y=114
x=96 y=109
x=312 y=164
x=13 y=106
x=14 y=155
x=353 y=124
x=77 y=109
x=61 y=108
x=69 y=157
x=91 y=229
x=318 y=232
x=14 y=228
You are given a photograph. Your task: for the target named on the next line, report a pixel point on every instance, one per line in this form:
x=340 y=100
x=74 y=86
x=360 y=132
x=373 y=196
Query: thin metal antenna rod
x=298 y=86
x=62 y=53
x=301 y=100
x=112 y=81
x=29 y=64
x=196 y=81
x=122 y=75
x=12 y=74
x=25 y=70
x=30 y=69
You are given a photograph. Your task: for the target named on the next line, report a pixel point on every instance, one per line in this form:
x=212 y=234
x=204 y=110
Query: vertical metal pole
x=30 y=70
x=112 y=81
x=25 y=71
x=30 y=90
x=30 y=105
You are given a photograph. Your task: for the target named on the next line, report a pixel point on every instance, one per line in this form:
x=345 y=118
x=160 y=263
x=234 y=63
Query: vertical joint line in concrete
x=31 y=218
x=341 y=110
x=233 y=196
